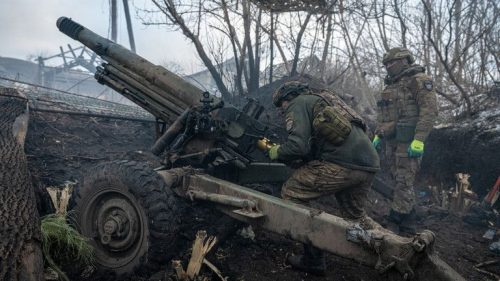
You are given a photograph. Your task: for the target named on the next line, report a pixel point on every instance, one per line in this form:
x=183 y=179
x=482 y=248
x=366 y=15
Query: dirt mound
x=470 y=147
x=60 y=147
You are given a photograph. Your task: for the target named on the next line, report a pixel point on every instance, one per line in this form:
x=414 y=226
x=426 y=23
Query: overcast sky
x=28 y=27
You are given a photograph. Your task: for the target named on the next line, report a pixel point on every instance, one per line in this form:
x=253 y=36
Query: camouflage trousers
x=321 y=178
x=403 y=170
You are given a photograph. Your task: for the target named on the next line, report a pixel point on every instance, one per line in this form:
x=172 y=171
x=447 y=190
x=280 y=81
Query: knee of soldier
x=289 y=196
x=285 y=189
x=284 y=194
x=365 y=182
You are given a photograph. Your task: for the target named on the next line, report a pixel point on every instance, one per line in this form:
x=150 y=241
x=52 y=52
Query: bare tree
x=329 y=30
x=401 y=23
x=456 y=40
x=298 y=44
x=443 y=59
x=380 y=19
x=239 y=51
x=170 y=10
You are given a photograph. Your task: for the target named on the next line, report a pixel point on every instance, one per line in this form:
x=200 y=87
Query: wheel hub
x=117 y=224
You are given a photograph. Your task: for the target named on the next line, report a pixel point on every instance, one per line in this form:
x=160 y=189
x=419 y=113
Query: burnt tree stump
x=20 y=234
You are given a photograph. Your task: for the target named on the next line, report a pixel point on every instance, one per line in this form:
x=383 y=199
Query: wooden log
x=20 y=235
x=60 y=197
x=202 y=245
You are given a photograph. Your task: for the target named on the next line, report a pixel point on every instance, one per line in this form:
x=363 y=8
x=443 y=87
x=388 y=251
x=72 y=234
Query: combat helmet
x=398 y=53
x=286 y=89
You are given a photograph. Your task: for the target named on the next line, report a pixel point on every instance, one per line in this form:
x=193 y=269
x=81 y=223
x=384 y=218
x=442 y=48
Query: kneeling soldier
x=339 y=158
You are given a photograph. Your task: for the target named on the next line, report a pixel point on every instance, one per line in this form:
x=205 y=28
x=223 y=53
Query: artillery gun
x=128 y=209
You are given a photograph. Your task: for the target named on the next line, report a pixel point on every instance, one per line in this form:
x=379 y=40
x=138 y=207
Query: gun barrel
x=169 y=93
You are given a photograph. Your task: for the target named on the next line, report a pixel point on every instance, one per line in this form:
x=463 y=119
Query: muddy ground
x=61 y=147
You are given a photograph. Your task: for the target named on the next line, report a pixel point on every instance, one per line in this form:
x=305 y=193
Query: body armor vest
x=333 y=119
x=345 y=110
x=398 y=104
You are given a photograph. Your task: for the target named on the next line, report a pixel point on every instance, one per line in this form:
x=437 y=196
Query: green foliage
x=61 y=240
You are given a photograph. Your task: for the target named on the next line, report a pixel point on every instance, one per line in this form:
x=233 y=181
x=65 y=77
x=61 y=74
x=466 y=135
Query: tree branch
x=450 y=74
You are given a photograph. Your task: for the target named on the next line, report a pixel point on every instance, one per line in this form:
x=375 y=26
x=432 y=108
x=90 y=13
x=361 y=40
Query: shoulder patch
x=289 y=121
x=428 y=85
x=289 y=124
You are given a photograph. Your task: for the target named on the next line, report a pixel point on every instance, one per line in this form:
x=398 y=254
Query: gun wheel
x=129 y=215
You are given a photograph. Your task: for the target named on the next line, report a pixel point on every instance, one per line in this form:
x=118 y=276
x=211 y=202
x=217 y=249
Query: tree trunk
x=273 y=37
x=239 y=60
x=170 y=11
x=247 y=24
x=298 y=45
x=256 y=66
x=464 y=95
x=326 y=48
x=258 y=42
x=381 y=26
x=401 y=23
x=458 y=31
x=367 y=100
x=271 y=48
x=20 y=235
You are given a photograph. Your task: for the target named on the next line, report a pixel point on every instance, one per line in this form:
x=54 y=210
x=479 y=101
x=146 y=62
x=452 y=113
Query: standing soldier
x=329 y=137
x=406 y=113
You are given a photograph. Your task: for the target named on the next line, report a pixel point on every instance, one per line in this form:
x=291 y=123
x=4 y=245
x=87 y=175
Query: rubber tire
x=155 y=203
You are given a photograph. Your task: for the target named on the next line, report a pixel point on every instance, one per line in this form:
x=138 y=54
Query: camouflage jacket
x=408 y=101
x=356 y=152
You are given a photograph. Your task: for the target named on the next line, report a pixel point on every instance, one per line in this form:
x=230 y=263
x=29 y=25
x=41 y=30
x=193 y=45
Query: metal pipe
x=148 y=95
x=131 y=93
x=114 y=29
x=151 y=92
x=156 y=75
x=223 y=199
x=129 y=26
x=170 y=134
x=63 y=56
x=164 y=94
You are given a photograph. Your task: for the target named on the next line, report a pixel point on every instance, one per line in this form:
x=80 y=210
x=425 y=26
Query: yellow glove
x=416 y=149
x=273 y=152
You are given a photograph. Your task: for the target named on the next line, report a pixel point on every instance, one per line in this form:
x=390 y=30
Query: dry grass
x=61 y=240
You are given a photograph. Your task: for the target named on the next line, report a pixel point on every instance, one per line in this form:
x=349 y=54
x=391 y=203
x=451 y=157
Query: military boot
x=408 y=223
x=312 y=261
